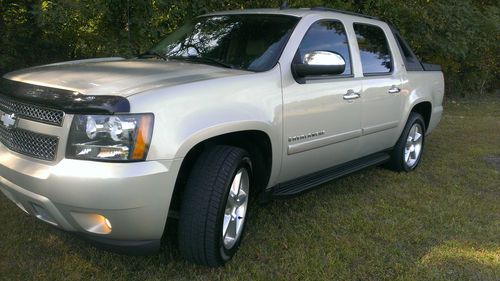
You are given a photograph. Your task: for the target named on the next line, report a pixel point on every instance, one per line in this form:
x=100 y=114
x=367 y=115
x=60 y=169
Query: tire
x=408 y=151
x=207 y=206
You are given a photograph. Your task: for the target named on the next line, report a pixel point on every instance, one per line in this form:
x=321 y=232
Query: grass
x=441 y=222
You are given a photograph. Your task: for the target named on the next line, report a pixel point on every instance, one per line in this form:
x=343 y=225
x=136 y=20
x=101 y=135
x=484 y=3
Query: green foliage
x=460 y=35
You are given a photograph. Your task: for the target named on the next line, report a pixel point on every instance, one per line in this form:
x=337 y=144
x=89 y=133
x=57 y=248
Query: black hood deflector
x=66 y=100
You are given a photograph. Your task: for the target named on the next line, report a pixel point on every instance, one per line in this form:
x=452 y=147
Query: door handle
x=351 y=95
x=394 y=90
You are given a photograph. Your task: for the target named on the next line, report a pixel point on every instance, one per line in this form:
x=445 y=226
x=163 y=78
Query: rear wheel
x=407 y=153
x=214 y=206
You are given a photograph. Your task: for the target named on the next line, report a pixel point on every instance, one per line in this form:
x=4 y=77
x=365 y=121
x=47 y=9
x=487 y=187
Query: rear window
x=374 y=49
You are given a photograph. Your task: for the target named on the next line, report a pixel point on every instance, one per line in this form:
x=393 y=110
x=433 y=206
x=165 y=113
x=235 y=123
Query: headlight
x=110 y=137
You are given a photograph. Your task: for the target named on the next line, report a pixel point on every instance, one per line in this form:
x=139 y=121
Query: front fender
x=188 y=114
x=194 y=137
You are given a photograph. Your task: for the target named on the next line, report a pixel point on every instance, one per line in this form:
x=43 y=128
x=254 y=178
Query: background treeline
x=461 y=35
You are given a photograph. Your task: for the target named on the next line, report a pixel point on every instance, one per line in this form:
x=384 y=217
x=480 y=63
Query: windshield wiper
x=202 y=60
x=152 y=54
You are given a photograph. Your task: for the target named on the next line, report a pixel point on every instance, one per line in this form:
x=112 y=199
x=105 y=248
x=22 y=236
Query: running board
x=305 y=183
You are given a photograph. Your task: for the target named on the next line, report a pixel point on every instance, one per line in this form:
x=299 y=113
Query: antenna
x=284 y=5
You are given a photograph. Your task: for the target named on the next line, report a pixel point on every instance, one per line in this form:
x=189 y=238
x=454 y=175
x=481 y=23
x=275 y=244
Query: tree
x=460 y=35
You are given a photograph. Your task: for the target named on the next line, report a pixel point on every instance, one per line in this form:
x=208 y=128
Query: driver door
x=322 y=114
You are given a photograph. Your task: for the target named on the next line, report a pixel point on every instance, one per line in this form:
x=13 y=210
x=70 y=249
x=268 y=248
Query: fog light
x=93 y=223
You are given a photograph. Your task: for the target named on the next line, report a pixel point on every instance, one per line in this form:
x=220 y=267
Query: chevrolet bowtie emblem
x=8 y=120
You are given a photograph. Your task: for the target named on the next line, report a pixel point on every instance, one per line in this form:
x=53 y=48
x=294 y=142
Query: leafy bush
x=460 y=35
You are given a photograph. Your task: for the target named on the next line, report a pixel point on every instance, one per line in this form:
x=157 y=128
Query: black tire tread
x=201 y=204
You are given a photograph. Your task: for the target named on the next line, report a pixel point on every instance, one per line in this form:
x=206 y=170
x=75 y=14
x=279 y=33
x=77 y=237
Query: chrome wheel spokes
x=236 y=208
x=413 y=146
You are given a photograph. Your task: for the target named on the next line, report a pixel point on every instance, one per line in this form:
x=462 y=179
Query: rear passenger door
x=381 y=89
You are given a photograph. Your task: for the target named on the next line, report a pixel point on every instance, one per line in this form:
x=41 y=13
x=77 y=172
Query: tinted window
x=250 y=42
x=327 y=36
x=374 y=49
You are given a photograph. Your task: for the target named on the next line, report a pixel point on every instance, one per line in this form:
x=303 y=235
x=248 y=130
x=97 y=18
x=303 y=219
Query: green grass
x=441 y=222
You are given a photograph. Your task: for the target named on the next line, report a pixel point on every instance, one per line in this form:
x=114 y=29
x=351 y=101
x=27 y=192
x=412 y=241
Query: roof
x=302 y=12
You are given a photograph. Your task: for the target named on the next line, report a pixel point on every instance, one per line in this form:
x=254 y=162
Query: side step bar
x=305 y=183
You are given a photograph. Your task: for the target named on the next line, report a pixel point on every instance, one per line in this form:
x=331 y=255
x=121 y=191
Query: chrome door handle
x=394 y=90
x=351 y=95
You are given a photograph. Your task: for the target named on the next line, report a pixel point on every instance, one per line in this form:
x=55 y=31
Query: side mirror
x=319 y=63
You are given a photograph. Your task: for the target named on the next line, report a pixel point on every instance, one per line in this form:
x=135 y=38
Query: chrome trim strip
x=317 y=143
x=40 y=128
x=380 y=127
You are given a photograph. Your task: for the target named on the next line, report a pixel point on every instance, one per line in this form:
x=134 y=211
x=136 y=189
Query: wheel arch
x=423 y=108
x=256 y=142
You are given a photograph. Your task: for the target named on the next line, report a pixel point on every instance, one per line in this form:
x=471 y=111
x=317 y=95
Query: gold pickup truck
x=231 y=107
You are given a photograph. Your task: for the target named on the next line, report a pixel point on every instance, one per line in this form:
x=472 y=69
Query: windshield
x=249 y=42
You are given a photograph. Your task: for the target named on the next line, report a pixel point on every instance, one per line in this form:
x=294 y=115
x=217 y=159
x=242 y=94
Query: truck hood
x=118 y=76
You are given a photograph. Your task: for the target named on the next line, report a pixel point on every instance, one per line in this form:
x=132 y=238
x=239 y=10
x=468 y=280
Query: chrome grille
x=28 y=143
x=32 y=112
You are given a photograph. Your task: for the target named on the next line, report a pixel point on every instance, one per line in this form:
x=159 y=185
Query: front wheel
x=214 y=206
x=407 y=153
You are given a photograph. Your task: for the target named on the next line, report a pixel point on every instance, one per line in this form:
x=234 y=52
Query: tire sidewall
x=227 y=254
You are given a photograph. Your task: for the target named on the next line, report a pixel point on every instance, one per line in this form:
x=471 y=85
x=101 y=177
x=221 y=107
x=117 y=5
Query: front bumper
x=134 y=197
